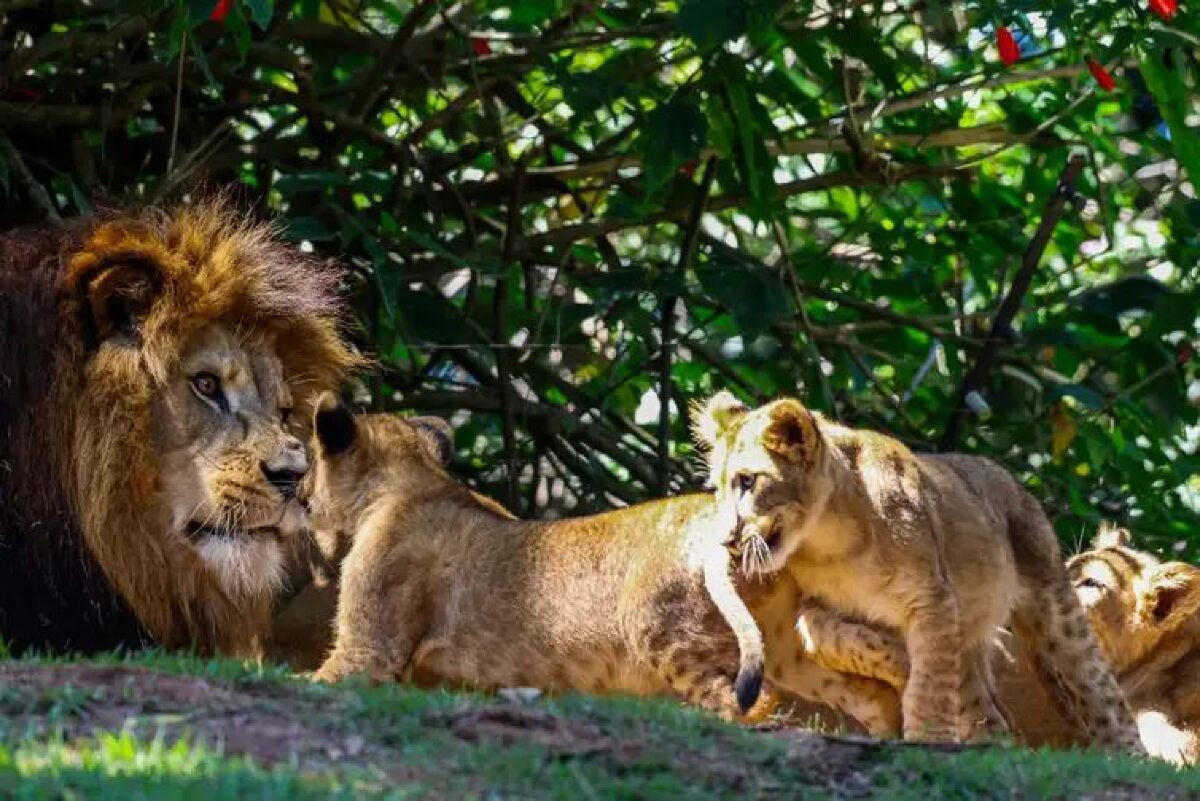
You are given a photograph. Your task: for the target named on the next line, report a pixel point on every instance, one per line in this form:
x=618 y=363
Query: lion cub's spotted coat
x=443 y=586
x=944 y=548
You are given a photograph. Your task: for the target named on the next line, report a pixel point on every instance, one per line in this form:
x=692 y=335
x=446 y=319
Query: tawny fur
x=100 y=321
x=440 y=586
x=1146 y=615
x=945 y=549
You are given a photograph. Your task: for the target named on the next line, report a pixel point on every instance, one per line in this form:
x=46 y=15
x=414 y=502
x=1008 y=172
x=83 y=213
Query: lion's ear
x=1110 y=535
x=712 y=417
x=791 y=431
x=1173 y=595
x=436 y=435
x=116 y=298
x=334 y=425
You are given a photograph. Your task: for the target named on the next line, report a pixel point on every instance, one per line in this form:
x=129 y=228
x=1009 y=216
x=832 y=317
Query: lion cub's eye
x=744 y=482
x=285 y=415
x=1090 y=584
x=207 y=386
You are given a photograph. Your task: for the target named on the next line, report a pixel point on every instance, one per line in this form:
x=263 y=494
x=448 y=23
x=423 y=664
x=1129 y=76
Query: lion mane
x=93 y=318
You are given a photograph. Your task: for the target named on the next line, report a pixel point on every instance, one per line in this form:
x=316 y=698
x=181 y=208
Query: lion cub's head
x=768 y=469
x=1134 y=601
x=358 y=459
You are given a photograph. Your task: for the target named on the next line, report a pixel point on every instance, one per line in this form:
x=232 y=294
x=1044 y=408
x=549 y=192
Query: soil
x=276 y=723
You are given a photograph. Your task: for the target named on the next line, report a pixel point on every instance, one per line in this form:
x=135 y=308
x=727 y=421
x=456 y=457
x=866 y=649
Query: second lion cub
x=944 y=548
x=442 y=586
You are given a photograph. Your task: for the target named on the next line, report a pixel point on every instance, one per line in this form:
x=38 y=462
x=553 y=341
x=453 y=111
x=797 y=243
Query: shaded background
x=550 y=210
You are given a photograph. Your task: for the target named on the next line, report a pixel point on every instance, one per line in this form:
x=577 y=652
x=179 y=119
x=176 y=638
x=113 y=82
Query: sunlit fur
x=943 y=548
x=441 y=585
x=1146 y=615
x=132 y=497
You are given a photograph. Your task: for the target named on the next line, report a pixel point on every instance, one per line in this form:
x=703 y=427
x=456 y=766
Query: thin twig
x=37 y=193
x=512 y=235
x=1002 y=321
x=183 y=45
x=669 y=300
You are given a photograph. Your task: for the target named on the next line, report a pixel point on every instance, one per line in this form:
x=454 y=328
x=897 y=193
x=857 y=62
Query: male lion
x=441 y=586
x=152 y=370
x=944 y=548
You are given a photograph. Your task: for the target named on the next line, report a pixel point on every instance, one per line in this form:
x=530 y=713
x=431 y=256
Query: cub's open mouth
x=198 y=532
x=772 y=538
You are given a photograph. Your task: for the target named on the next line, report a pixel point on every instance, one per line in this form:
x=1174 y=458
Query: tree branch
x=1001 y=328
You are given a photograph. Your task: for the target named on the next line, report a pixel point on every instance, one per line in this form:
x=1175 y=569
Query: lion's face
x=1134 y=602
x=230 y=461
x=768 y=472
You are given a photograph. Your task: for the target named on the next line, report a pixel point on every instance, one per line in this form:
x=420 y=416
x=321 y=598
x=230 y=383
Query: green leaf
x=200 y=10
x=753 y=296
x=260 y=12
x=308 y=228
x=672 y=136
x=710 y=22
x=1174 y=99
x=755 y=165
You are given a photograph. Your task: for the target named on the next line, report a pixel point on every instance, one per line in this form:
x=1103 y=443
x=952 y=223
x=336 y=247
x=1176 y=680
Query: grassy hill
x=166 y=727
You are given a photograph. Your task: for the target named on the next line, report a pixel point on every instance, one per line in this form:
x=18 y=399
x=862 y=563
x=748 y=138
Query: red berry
x=220 y=10
x=1184 y=352
x=1009 y=52
x=1101 y=75
x=1164 y=8
x=481 y=46
x=688 y=168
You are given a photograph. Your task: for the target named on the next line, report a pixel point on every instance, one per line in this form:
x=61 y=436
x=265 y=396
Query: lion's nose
x=284 y=480
x=286 y=468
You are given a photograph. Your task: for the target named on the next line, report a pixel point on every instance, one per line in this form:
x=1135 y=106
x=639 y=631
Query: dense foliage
x=552 y=208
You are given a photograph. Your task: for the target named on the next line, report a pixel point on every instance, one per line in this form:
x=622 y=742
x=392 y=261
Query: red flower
x=1164 y=8
x=220 y=10
x=481 y=46
x=1009 y=52
x=1101 y=75
x=688 y=168
x=1184 y=352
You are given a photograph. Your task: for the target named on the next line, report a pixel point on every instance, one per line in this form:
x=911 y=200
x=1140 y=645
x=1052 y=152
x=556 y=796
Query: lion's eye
x=207 y=386
x=744 y=482
x=285 y=415
x=1089 y=584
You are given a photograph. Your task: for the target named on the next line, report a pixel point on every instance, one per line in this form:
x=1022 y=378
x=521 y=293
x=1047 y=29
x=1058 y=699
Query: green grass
x=164 y=726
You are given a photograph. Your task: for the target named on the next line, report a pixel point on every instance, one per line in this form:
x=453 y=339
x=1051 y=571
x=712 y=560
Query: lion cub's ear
x=334 y=424
x=713 y=416
x=791 y=431
x=1173 y=595
x=436 y=435
x=115 y=297
x=1110 y=535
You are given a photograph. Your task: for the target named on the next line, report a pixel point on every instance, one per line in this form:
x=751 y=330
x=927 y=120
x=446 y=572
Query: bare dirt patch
x=81 y=700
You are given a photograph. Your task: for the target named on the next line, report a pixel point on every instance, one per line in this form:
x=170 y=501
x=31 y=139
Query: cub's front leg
x=933 y=698
x=844 y=645
x=379 y=622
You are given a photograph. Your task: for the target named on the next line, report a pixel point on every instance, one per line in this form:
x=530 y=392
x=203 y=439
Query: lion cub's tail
x=719 y=583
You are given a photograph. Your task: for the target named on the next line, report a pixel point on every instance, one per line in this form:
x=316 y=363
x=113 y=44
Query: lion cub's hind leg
x=1069 y=662
x=689 y=645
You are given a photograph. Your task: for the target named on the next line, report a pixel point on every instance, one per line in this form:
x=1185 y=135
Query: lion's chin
x=247 y=564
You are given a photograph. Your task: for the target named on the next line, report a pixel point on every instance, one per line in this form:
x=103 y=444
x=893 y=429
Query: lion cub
x=1145 y=614
x=441 y=585
x=945 y=548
